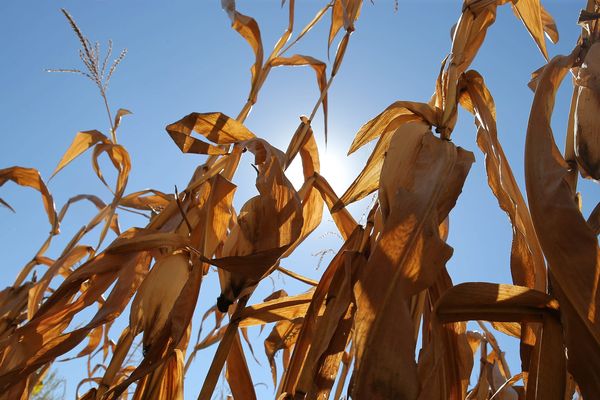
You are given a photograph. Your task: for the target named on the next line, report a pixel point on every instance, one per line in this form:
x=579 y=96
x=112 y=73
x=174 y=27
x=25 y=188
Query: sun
x=335 y=167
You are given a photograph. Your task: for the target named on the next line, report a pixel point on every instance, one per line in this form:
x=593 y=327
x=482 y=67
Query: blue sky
x=184 y=57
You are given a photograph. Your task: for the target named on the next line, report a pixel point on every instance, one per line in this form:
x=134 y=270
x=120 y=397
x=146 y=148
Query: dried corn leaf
x=120 y=160
x=391 y=118
x=5 y=204
x=569 y=244
x=309 y=331
x=309 y=26
x=337 y=21
x=136 y=239
x=65 y=262
x=30 y=177
x=317 y=65
x=266 y=226
x=121 y=112
x=100 y=205
x=312 y=201
x=445 y=361
x=586 y=126
x=283 y=308
x=368 y=180
x=283 y=336
x=342 y=218
x=56 y=312
x=332 y=329
x=594 y=220
x=494 y=302
x=406 y=260
x=550 y=28
x=13 y=304
x=530 y=12
x=527 y=264
x=499 y=302
x=344 y=13
x=148 y=199
x=237 y=373
x=248 y=29
x=216 y=127
x=82 y=141
x=467 y=38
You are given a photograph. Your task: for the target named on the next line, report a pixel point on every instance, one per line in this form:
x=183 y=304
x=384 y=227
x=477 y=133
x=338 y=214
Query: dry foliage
x=386 y=287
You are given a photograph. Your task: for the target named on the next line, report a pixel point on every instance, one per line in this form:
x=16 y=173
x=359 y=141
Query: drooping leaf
x=317 y=65
x=249 y=30
x=406 y=259
x=30 y=177
x=569 y=245
x=82 y=141
x=530 y=12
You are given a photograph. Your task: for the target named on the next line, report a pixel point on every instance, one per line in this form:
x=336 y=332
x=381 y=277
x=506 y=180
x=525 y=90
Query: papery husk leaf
x=331 y=359
x=166 y=382
x=82 y=141
x=266 y=226
x=173 y=334
x=569 y=244
x=155 y=299
x=210 y=214
x=30 y=177
x=407 y=258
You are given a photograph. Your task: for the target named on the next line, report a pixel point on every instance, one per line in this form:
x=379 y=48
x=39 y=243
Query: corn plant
x=384 y=321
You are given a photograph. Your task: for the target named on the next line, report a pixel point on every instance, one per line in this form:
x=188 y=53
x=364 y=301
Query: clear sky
x=184 y=57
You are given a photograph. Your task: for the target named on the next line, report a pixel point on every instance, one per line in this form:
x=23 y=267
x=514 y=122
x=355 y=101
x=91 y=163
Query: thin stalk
x=113 y=134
